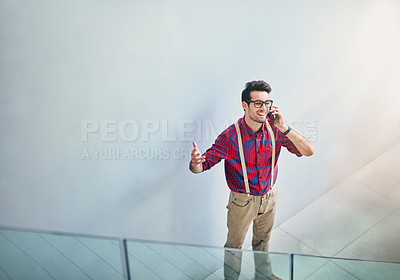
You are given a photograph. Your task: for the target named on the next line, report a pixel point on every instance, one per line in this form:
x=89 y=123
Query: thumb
x=195 y=145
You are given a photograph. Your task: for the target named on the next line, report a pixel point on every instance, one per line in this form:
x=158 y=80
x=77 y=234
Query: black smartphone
x=271 y=117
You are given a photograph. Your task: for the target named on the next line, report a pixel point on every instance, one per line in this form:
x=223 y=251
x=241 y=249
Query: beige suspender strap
x=271 y=133
x=242 y=161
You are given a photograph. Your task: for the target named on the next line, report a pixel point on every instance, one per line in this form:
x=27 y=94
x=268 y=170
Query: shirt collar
x=249 y=131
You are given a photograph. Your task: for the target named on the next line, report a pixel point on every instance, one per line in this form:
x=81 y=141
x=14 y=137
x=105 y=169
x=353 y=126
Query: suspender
x=271 y=133
x=246 y=181
x=242 y=161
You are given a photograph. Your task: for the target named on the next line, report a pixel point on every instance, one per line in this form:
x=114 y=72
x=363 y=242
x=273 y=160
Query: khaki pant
x=242 y=211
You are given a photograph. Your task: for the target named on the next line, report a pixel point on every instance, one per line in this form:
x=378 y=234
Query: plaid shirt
x=257 y=149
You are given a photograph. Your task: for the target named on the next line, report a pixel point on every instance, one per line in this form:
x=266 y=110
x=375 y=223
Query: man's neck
x=255 y=126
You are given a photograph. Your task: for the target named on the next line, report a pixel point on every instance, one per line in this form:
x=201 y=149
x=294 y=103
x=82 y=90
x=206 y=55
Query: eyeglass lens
x=259 y=103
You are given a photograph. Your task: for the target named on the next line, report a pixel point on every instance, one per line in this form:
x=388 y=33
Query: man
x=253 y=195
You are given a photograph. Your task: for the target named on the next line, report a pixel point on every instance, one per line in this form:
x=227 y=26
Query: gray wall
x=100 y=101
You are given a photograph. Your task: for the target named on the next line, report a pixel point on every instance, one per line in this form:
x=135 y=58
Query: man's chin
x=258 y=119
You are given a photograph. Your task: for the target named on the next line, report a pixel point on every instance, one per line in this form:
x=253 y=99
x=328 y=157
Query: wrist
x=285 y=132
x=283 y=128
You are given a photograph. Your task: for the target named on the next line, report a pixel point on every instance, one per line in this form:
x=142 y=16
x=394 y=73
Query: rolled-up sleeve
x=217 y=152
x=286 y=142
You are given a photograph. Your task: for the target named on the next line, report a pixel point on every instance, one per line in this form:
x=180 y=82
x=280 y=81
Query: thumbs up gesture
x=196 y=162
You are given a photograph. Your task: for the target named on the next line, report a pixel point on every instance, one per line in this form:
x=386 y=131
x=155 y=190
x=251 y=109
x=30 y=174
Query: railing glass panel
x=314 y=267
x=29 y=255
x=149 y=260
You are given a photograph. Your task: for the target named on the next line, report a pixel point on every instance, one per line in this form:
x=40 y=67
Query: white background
x=178 y=68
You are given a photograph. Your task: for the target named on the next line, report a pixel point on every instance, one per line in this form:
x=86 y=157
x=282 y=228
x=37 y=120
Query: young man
x=254 y=201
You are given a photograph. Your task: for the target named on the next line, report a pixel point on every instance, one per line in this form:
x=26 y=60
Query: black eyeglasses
x=259 y=103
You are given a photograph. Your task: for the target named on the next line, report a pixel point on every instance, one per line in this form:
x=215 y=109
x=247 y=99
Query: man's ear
x=244 y=105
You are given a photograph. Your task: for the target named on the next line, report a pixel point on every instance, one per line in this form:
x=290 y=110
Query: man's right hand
x=196 y=163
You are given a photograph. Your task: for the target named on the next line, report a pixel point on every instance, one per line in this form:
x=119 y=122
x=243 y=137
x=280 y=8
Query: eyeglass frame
x=263 y=103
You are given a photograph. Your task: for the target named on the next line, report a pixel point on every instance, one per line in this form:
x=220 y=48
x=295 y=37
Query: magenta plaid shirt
x=257 y=153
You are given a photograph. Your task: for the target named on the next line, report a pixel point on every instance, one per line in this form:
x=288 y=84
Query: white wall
x=178 y=67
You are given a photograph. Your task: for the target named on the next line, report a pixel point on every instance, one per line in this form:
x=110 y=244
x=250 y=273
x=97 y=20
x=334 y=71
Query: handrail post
x=124 y=259
x=291 y=263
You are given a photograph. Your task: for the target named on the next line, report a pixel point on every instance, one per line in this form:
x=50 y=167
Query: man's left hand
x=279 y=122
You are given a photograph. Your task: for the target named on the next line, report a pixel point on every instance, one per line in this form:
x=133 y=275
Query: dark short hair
x=255 y=85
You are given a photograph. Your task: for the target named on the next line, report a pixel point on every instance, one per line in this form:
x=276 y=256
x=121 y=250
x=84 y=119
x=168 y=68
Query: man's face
x=258 y=115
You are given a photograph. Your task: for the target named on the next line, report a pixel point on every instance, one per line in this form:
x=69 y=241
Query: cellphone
x=271 y=117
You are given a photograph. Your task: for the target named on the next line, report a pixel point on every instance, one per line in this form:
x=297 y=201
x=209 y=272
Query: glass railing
x=33 y=255
x=148 y=260
x=39 y=255
x=316 y=267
